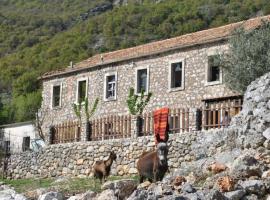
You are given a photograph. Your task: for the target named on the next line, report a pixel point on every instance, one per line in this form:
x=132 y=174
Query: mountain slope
x=79 y=32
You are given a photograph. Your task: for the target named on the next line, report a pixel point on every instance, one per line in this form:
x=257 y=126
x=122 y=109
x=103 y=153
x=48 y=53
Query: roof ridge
x=198 y=37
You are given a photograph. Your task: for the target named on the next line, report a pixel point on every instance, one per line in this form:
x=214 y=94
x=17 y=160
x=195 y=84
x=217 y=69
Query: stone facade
x=195 y=89
x=77 y=159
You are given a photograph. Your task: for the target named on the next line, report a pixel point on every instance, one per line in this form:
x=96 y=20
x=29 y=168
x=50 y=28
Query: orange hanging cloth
x=161 y=125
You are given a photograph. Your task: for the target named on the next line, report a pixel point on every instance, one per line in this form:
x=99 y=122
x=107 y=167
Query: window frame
x=105 y=86
x=52 y=98
x=147 y=82
x=182 y=60
x=24 y=148
x=77 y=89
x=207 y=69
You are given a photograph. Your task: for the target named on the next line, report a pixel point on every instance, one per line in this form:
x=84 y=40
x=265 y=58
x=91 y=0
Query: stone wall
x=195 y=84
x=77 y=159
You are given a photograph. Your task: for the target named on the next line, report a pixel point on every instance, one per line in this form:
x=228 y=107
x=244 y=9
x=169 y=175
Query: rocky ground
x=241 y=171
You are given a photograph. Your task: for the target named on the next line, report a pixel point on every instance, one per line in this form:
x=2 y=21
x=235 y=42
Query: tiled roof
x=200 y=37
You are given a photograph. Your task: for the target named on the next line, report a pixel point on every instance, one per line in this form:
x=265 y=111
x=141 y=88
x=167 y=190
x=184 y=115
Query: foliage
x=136 y=103
x=77 y=108
x=40 y=36
x=90 y=113
x=248 y=58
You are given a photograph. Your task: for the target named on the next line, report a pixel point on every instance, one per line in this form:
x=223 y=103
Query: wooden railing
x=179 y=121
x=66 y=132
x=218 y=115
x=111 y=127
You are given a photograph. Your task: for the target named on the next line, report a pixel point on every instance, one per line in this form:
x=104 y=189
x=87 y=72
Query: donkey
x=102 y=168
x=153 y=165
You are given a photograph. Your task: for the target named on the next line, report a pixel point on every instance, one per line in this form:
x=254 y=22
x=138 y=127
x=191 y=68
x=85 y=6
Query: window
x=176 y=77
x=26 y=143
x=142 y=80
x=110 y=86
x=56 y=96
x=213 y=74
x=81 y=90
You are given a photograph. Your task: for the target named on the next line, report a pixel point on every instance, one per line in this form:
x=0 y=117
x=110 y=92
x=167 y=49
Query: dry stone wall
x=77 y=159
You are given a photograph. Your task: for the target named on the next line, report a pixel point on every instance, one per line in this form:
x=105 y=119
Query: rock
x=144 y=185
x=51 y=196
x=266 y=134
x=80 y=161
x=139 y=194
x=179 y=180
x=85 y=196
x=214 y=195
x=106 y=195
x=225 y=184
x=235 y=195
x=266 y=144
x=188 y=188
x=217 y=167
x=250 y=197
x=245 y=166
x=133 y=171
x=266 y=174
x=122 y=188
x=155 y=190
x=7 y=193
x=34 y=194
x=253 y=186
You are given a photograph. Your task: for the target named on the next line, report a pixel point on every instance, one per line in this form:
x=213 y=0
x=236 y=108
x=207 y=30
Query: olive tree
x=248 y=57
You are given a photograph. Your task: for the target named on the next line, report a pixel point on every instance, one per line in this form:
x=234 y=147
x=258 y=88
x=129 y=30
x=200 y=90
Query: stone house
x=18 y=137
x=180 y=72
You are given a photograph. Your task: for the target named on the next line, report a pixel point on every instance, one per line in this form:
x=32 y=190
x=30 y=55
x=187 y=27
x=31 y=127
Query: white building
x=18 y=137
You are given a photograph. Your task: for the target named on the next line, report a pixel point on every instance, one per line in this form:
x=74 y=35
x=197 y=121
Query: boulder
x=106 y=195
x=214 y=195
x=217 y=167
x=139 y=194
x=235 y=195
x=122 y=188
x=188 y=188
x=85 y=196
x=253 y=186
x=266 y=133
x=225 y=184
x=51 y=196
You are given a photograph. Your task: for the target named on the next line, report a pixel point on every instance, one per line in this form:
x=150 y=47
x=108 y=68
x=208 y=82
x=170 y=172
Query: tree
x=136 y=103
x=248 y=57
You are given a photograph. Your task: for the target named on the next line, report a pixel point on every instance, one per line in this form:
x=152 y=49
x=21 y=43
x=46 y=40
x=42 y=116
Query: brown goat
x=153 y=165
x=102 y=168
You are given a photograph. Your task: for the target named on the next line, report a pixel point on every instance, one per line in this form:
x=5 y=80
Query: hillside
x=38 y=36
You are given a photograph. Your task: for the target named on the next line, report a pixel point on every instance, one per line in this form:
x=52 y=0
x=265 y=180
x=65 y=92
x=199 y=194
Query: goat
x=153 y=165
x=102 y=169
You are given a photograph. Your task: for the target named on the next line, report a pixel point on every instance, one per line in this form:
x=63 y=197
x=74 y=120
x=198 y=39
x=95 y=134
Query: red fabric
x=161 y=125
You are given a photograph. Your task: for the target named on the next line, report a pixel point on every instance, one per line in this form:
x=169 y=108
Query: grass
x=68 y=187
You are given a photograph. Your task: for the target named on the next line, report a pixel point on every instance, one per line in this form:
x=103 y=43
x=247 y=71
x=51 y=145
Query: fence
x=66 y=132
x=111 y=127
x=217 y=115
x=180 y=120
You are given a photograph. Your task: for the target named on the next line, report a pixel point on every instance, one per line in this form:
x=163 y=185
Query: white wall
x=15 y=134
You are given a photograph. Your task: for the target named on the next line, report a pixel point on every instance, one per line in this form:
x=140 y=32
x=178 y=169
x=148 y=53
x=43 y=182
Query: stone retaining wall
x=77 y=159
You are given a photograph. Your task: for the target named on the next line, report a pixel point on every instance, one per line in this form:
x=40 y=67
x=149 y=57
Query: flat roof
x=16 y=124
